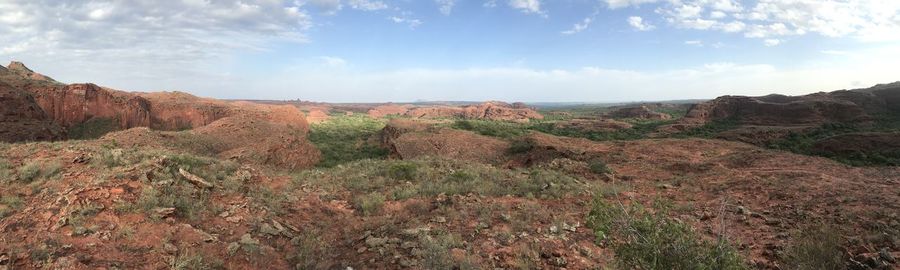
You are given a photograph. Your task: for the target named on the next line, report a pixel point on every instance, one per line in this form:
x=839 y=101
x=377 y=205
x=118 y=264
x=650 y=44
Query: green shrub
x=645 y=240
x=599 y=167
x=403 y=171
x=520 y=147
x=35 y=170
x=6 y=173
x=817 y=247
x=370 y=203
x=29 y=172
x=9 y=204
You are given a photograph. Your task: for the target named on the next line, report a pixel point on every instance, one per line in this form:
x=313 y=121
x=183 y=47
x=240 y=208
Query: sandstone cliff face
x=21 y=119
x=73 y=104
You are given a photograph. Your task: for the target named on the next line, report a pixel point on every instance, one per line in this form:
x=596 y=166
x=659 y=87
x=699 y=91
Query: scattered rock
x=374 y=242
x=170 y=248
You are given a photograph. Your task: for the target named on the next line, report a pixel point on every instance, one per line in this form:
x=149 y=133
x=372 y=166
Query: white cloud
x=527 y=6
x=367 y=5
x=445 y=6
x=328 y=6
x=834 y=52
x=412 y=23
x=490 y=3
x=698 y=43
x=330 y=61
x=614 y=4
x=865 y=20
x=771 y=42
x=717 y=14
x=639 y=24
x=578 y=27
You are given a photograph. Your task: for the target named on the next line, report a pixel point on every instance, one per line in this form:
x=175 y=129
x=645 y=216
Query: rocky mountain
x=37 y=108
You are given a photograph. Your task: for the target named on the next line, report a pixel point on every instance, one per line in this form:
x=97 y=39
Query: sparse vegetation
x=38 y=170
x=344 y=139
x=441 y=176
x=642 y=239
x=9 y=204
x=816 y=247
x=599 y=167
x=370 y=203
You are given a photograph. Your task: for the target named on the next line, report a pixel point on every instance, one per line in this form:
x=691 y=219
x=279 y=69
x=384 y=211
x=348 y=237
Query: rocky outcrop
x=501 y=111
x=255 y=133
x=593 y=125
x=21 y=119
x=20 y=69
x=492 y=110
x=181 y=111
x=407 y=139
x=388 y=109
x=69 y=105
x=543 y=148
x=853 y=106
x=640 y=112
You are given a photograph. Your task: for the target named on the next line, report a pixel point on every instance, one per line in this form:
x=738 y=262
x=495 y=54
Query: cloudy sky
x=405 y=50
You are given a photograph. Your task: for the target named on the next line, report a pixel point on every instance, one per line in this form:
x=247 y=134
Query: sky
x=412 y=50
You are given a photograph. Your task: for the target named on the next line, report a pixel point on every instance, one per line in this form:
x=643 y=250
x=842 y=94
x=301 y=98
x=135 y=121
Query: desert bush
x=193 y=260
x=6 y=173
x=520 y=146
x=9 y=204
x=599 y=167
x=370 y=203
x=711 y=129
x=310 y=249
x=35 y=170
x=343 y=139
x=815 y=247
x=642 y=239
x=402 y=171
x=437 y=253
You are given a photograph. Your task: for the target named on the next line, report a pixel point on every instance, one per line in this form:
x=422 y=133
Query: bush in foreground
x=645 y=240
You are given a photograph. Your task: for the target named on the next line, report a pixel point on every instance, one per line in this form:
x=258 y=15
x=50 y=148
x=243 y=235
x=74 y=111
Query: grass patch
x=38 y=170
x=500 y=129
x=344 y=139
x=370 y=203
x=434 y=176
x=9 y=204
x=642 y=239
x=640 y=130
x=813 y=248
x=168 y=189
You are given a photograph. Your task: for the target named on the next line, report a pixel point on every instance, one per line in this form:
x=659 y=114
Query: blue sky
x=513 y=50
